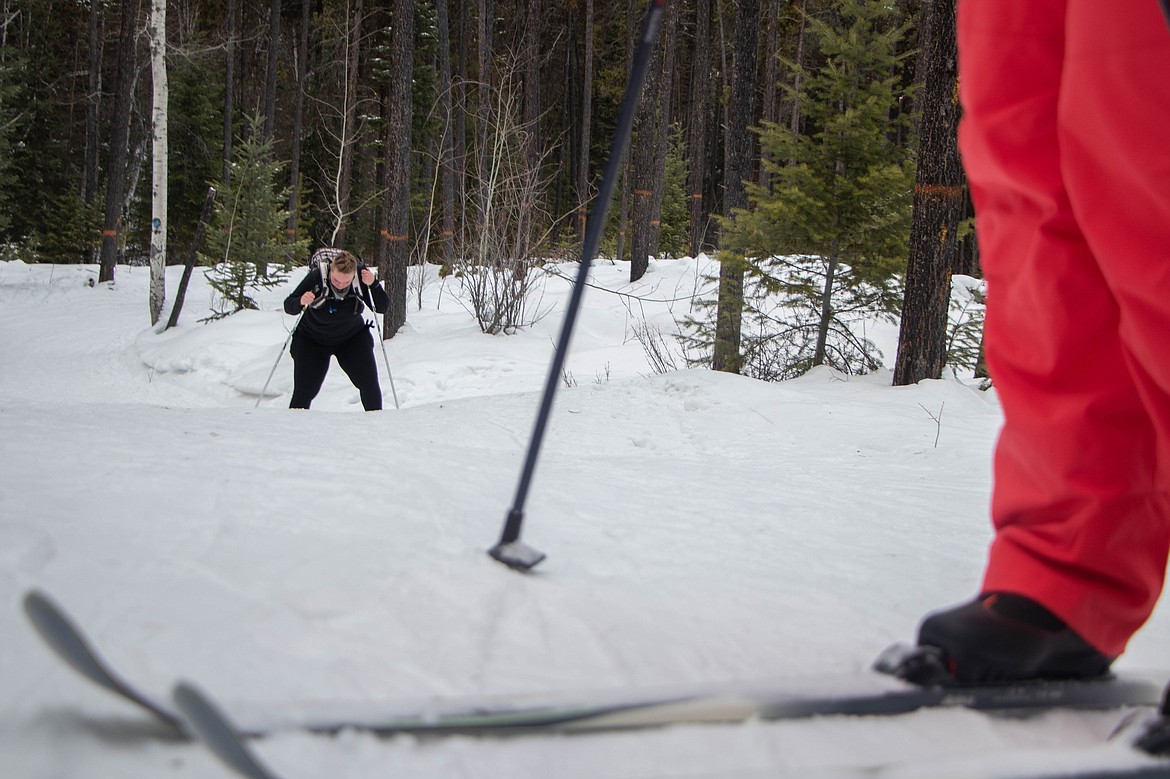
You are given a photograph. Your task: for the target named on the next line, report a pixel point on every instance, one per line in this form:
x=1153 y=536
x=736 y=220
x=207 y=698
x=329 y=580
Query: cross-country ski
x=862 y=695
x=216 y=730
x=195 y=713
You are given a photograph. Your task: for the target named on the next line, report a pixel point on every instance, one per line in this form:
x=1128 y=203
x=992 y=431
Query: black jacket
x=337 y=318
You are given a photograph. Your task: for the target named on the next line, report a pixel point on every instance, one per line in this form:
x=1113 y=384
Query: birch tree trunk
x=159 y=158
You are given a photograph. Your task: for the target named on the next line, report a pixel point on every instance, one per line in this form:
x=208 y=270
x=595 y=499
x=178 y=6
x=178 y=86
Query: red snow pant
x=1066 y=142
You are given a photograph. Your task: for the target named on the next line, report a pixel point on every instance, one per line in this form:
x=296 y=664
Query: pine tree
x=196 y=127
x=247 y=233
x=828 y=231
x=674 y=239
x=69 y=232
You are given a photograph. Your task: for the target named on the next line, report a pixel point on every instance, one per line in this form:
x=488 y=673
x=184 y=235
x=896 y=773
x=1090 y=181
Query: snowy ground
x=700 y=527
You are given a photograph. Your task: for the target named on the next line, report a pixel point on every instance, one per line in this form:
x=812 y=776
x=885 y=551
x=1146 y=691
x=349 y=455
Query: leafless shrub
x=498 y=259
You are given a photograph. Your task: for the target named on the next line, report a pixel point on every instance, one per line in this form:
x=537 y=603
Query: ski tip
x=57 y=630
x=38 y=604
x=517 y=555
x=63 y=636
x=213 y=727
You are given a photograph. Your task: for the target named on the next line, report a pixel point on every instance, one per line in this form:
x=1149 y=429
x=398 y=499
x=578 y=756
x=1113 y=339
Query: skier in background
x=1065 y=143
x=332 y=325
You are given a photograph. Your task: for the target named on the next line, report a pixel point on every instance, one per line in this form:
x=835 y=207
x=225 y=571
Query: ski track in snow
x=700 y=527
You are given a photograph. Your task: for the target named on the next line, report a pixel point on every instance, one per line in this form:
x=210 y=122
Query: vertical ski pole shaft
x=393 y=392
x=370 y=302
x=386 y=360
x=279 y=354
x=510 y=550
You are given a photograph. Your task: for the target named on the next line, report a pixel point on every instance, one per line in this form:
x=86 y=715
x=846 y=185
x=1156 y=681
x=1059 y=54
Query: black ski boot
x=999 y=637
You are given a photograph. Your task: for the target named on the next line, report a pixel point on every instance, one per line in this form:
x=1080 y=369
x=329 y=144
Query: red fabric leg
x=1080 y=502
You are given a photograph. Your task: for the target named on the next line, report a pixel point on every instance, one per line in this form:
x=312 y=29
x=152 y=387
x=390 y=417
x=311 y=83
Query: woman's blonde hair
x=344 y=262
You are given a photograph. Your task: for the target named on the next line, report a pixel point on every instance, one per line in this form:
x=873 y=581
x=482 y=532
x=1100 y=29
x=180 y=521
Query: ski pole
x=370 y=302
x=386 y=360
x=280 y=354
x=389 y=376
x=510 y=550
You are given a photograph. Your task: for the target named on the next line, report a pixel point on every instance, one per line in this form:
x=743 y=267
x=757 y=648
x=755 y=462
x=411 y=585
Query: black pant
x=356 y=358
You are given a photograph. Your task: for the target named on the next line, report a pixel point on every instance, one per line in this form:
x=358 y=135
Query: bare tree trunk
x=586 y=125
x=795 y=119
x=770 y=111
x=967 y=261
x=723 y=88
x=697 y=124
x=395 y=252
x=729 y=318
x=624 y=217
x=189 y=266
x=229 y=107
x=646 y=129
x=268 y=131
x=669 y=37
x=135 y=156
x=270 y=82
x=485 y=23
x=119 y=139
x=159 y=158
x=531 y=116
x=92 y=102
x=826 y=318
x=294 y=173
x=938 y=203
x=570 y=127
x=460 y=134
x=446 y=145
x=343 y=183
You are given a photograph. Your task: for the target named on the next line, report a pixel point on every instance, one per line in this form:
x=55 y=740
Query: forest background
x=809 y=144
